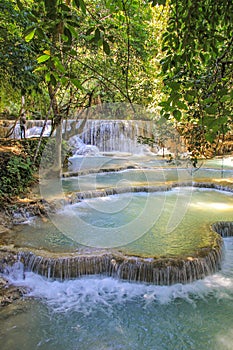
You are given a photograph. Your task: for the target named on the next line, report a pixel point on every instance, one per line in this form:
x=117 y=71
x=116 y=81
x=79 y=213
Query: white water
x=96 y=313
x=98 y=135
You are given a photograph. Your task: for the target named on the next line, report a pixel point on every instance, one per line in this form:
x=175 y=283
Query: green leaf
x=181 y=105
x=72 y=31
x=43 y=58
x=47 y=77
x=106 y=47
x=177 y=114
x=39 y=69
x=83 y=6
x=77 y=83
x=211 y=110
x=59 y=65
x=30 y=35
x=64 y=80
x=174 y=85
x=97 y=34
x=188 y=97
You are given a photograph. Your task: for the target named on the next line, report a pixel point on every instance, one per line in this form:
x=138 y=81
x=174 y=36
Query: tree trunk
x=57 y=125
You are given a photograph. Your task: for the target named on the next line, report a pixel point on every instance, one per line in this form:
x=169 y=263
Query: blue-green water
x=102 y=313
x=172 y=223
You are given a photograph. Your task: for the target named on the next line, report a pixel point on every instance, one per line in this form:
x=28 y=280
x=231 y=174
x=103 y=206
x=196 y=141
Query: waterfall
x=117 y=135
x=162 y=271
x=106 y=135
x=225 y=229
x=76 y=197
x=87 y=261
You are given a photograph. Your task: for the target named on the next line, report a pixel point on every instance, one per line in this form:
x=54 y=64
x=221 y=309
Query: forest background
x=59 y=57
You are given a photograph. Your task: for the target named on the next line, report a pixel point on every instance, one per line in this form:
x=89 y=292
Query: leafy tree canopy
x=197 y=68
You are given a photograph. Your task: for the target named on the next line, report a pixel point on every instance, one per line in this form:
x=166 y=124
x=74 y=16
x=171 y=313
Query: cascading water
x=103 y=135
x=161 y=256
x=117 y=135
x=104 y=311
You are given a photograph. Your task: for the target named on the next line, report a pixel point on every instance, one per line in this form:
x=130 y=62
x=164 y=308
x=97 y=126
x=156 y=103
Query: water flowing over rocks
x=8 y=292
x=96 y=135
x=161 y=271
x=78 y=196
x=156 y=270
x=225 y=229
x=120 y=135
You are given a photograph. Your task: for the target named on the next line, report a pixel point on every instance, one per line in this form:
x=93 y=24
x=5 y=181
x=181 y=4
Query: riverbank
x=19 y=199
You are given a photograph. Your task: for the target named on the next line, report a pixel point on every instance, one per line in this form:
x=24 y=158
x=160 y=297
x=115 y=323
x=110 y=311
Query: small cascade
x=64 y=268
x=78 y=196
x=80 y=148
x=170 y=271
x=33 y=129
x=162 y=271
x=225 y=229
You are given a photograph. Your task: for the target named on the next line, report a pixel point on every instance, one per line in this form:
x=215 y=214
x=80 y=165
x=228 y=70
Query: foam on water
x=88 y=294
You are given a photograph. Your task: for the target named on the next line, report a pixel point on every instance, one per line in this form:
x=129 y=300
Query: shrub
x=15 y=175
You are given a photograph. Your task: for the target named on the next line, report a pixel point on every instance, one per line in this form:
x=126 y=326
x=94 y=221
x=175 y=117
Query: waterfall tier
x=162 y=271
x=111 y=262
x=126 y=262
x=81 y=195
x=157 y=271
x=117 y=135
x=107 y=135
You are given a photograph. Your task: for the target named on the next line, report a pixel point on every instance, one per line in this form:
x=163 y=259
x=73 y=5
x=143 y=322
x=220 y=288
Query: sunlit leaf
x=43 y=58
x=59 y=65
x=30 y=35
x=47 y=77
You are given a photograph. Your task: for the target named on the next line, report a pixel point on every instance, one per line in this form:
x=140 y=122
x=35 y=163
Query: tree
x=197 y=69
x=99 y=48
x=16 y=56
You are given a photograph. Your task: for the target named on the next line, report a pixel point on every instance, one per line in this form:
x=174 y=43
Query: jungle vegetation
x=174 y=57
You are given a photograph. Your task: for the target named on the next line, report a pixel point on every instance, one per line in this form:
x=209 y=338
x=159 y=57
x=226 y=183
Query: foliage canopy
x=175 y=56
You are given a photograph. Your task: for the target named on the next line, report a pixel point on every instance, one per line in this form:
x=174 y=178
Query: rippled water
x=85 y=163
x=136 y=177
x=102 y=313
x=172 y=223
